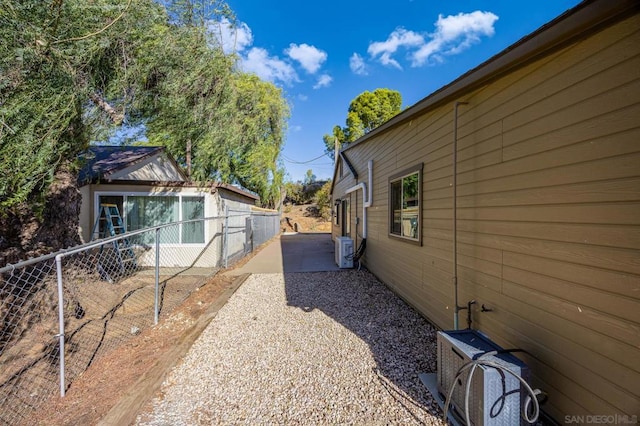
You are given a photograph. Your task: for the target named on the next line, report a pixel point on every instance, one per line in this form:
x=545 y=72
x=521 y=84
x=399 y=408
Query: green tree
x=366 y=111
x=71 y=71
x=64 y=68
x=323 y=200
x=57 y=60
x=234 y=122
x=309 y=177
x=294 y=192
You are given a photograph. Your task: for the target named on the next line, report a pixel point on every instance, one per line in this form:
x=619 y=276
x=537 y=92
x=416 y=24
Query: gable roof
x=588 y=17
x=342 y=159
x=102 y=161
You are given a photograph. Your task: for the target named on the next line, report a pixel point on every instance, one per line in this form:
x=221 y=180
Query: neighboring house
x=547 y=177
x=150 y=189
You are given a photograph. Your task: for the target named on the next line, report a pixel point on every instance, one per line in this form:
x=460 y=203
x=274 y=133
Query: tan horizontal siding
x=510 y=176
x=610 y=190
x=601 y=279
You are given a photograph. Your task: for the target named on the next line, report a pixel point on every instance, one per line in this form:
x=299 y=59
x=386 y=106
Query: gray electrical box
x=496 y=398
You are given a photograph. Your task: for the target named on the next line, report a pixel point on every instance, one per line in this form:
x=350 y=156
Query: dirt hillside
x=305 y=217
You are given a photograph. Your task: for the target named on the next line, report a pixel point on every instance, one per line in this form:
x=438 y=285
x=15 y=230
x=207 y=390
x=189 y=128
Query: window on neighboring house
x=145 y=211
x=193 y=208
x=405 y=193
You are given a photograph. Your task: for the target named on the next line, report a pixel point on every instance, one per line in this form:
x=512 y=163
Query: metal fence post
x=60 y=322
x=225 y=240
x=156 y=306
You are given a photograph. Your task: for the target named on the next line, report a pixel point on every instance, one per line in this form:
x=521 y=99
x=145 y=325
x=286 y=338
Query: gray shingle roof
x=101 y=161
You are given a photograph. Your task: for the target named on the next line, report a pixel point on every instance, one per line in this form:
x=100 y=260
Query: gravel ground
x=305 y=348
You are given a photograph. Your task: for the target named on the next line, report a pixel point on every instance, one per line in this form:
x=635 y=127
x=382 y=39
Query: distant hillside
x=304 y=217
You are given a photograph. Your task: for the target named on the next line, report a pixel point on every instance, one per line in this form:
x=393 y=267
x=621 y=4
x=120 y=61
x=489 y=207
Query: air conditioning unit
x=344 y=252
x=495 y=397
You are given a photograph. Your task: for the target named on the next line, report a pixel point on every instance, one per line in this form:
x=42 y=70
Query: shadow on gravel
x=402 y=342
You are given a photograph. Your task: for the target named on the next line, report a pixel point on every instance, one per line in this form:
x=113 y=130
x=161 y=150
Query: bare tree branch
x=116 y=117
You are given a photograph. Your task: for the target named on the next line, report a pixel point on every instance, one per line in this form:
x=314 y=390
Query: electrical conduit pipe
x=457 y=307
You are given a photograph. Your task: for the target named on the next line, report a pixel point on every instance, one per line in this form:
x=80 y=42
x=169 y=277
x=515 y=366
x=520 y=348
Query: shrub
x=323 y=200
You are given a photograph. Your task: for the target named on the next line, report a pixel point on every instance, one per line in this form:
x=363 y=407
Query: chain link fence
x=61 y=312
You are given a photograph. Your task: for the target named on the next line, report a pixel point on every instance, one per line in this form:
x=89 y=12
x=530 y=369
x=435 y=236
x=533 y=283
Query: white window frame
x=207 y=213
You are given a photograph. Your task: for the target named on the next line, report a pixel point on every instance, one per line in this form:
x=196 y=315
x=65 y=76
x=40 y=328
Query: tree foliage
x=233 y=122
x=55 y=57
x=323 y=200
x=71 y=70
x=366 y=111
x=309 y=177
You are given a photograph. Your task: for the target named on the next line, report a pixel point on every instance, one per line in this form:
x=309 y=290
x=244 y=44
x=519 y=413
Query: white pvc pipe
x=369 y=202
x=362 y=186
x=367 y=197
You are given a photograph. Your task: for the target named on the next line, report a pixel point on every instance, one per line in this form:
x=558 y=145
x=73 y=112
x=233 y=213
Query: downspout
x=457 y=308
x=367 y=197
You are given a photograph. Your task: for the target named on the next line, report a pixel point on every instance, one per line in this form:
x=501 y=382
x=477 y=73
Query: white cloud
x=270 y=68
x=453 y=34
x=397 y=39
x=310 y=57
x=303 y=97
x=233 y=39
x=323 y=81
x=357 y=65
x=296 y=128
x=238 y=38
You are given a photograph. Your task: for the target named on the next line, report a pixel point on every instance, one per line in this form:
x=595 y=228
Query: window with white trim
x=405 y=204
x=145 y=211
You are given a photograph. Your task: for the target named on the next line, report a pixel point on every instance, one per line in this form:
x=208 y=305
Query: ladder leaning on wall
x=109 y=224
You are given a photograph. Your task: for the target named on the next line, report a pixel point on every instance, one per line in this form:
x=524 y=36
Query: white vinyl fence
x=59 y=313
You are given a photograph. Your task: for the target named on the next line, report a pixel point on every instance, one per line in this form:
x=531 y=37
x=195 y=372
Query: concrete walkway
x=307 y=252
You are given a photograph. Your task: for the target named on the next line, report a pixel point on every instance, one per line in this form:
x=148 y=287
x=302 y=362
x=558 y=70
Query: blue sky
x=324 y=54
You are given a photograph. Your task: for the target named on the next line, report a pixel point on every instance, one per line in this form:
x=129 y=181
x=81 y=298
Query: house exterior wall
x=179 y=254
x=548 y=217
x=234 y=200
x=172 y=255
x=85 y=219
x=90 y=209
